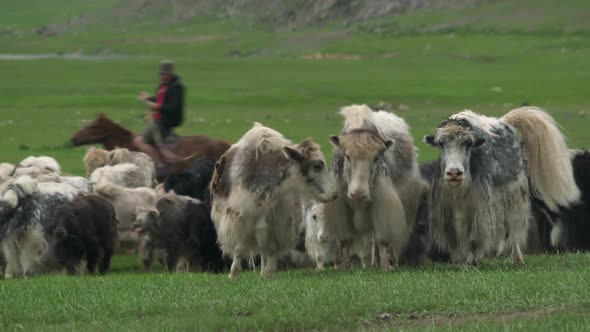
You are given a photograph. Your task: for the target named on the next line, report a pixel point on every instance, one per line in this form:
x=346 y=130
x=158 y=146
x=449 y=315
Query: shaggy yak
x=184 y=230
x=25 y=231
x=78 y=182
x=125 y=175
x=131 y=205
x=95 y=158
x=379 y=186
x=480 y=193
x=257 y=190
x=140 y=159
x=86 y=227
x=36 y=166
x=6 y=169
x=569 y=228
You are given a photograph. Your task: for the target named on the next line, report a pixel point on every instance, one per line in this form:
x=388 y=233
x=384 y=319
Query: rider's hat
x=166 y=67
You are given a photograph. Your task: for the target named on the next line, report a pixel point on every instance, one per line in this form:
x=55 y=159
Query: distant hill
x=423 y=15
x=264 y=27
x=284 y=13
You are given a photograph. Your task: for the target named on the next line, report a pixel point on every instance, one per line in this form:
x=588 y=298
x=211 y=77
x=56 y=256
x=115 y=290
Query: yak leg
x=344 y=255
x=105 y=263
x=475 y=254
x=365 y=253
x=92 y=258
x=33 y=250
x=262 y=263
x=319 y=258
x=269 y=266
x=385 y=256
x=390 y=227
x=517 y=258
x=519 y=226
x=236 y=267
x=146 y=253
x=13 y=266
x=374 y=254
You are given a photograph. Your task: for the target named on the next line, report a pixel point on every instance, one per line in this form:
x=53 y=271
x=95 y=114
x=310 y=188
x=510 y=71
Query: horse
x=111 y=135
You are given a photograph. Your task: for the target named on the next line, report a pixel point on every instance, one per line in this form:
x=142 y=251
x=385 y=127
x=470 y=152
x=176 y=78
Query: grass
x=432 y=62
x=47 y=100
x=545 y=293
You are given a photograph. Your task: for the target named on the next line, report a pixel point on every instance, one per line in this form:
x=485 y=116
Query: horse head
x=101 y=130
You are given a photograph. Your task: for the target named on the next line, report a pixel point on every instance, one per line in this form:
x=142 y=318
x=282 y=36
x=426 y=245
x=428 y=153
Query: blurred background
x=287 y=64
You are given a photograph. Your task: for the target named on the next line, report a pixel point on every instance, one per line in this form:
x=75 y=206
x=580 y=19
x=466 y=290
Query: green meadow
x=425 y=65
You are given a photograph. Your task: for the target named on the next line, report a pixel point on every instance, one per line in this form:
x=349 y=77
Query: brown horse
x=110 y=134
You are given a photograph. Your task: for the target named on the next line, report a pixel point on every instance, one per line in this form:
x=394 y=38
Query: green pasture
x=426 y=65
x=549 y=293
x=433 y=76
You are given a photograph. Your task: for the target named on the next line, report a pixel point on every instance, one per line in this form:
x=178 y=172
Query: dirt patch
x=477 y=58
x=317 y=38
x=387 y=55
x=243 y=313
x=164 y=40
x=403 y=321
x=330 y=56
x=454 y=24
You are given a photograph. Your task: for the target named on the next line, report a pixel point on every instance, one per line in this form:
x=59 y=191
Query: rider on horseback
x=166 y=113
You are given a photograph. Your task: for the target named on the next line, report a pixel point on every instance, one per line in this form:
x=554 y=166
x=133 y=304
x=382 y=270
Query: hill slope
x=263 y=27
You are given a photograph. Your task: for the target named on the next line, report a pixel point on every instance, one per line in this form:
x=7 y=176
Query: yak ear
x=388 y=144
x=335 y=141
x=429 y=139
x=292 y=153
x=479 y=142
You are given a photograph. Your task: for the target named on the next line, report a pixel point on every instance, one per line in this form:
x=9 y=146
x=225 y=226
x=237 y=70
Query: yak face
x=315 y=222
x=65 y=215
x=456 y=141
x=146 y=221
x=310 y=160
x=362 y=149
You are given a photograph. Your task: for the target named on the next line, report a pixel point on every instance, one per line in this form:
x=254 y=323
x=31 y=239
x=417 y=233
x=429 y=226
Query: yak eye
x=318 y=165
x=347 y=157
x=315 y=217
x=468 y=143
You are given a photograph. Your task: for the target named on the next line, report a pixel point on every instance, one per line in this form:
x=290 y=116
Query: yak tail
x=550 y=170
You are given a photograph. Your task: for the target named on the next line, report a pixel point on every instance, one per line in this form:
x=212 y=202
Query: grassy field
x=549 y=293
x=428 y=65
x=47 y=100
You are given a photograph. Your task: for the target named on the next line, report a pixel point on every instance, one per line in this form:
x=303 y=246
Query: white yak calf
x=321 y=247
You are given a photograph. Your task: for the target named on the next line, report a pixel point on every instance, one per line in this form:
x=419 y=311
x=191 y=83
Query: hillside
x=264 y=27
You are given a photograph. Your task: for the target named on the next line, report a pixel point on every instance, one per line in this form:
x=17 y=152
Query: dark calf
x=569 y=228
x=184 y=230
x=86 y=227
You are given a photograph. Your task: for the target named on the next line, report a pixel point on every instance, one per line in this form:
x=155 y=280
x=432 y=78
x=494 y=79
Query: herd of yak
x=501 y=186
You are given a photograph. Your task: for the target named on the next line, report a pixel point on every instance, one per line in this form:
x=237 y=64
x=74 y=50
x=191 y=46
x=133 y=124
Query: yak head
x=362 y=150
x=456 y=140
x=310 y=160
